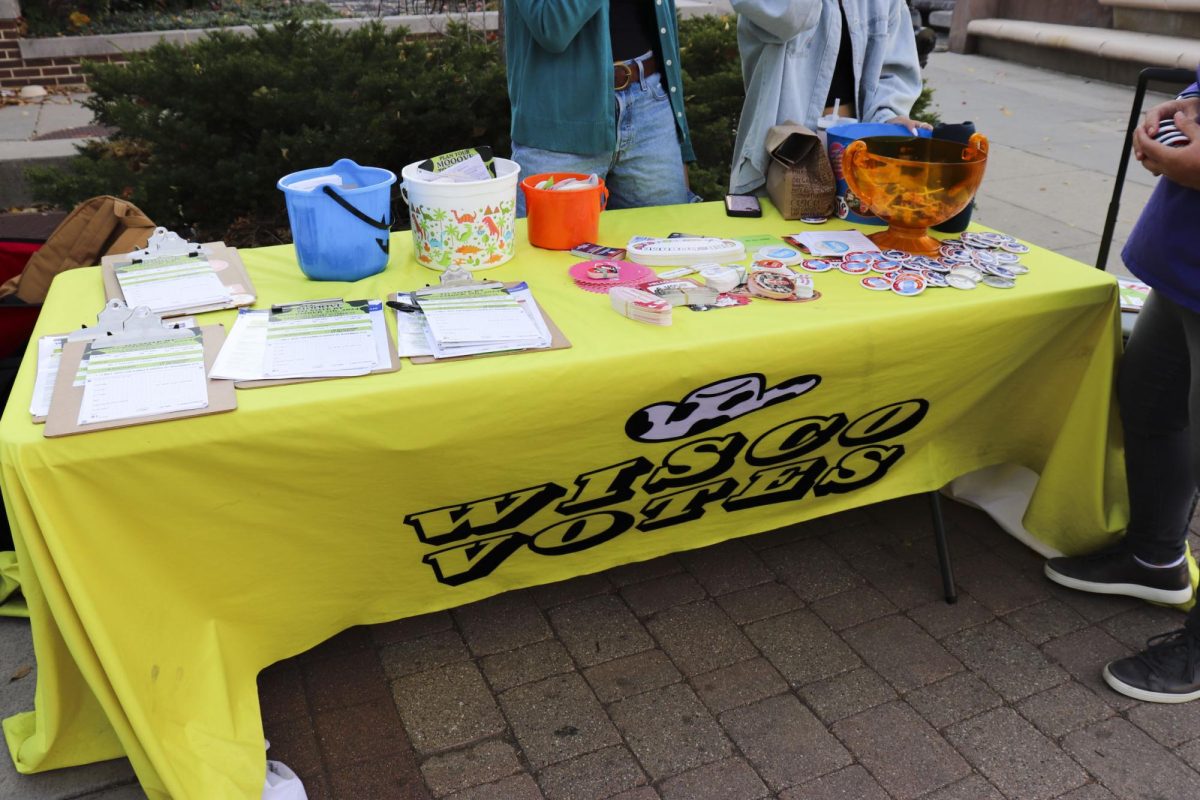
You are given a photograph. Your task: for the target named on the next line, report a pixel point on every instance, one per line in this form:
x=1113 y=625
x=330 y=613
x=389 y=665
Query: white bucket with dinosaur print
x=471 y=224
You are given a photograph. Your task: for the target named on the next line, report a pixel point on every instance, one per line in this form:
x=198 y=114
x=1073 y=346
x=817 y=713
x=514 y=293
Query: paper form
x=477 y=316
x=170 y=283
x=49 y=355
x=241 y=357
x=144 y=379
x=464 y=314
x=411 y=334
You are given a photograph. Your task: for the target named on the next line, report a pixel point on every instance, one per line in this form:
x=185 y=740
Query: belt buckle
x=628 y=77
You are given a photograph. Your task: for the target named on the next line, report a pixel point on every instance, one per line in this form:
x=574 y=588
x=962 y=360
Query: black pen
x=405 y=307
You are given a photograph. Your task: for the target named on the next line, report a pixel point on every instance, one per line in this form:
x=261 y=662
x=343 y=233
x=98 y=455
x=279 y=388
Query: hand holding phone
x=742 y=205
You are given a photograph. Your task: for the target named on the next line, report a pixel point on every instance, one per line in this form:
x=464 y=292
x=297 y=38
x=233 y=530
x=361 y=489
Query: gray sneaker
x=1116 y=571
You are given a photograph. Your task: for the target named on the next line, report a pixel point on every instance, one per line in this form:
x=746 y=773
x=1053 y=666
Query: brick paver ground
x=811 y=663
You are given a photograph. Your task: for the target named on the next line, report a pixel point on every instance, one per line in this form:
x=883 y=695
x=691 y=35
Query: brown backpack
x=94 y=229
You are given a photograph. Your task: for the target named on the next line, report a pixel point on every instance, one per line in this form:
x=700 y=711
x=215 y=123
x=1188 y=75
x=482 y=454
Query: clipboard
x=558 y=340
x=64 y=408
x=109 y=322
x=227 y=264
x=392 y=366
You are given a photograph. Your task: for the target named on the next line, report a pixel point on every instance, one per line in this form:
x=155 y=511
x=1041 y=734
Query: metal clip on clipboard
x=117 y=323
x=166 y=243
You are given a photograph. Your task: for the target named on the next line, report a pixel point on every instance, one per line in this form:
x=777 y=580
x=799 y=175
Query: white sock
x=1174 y=563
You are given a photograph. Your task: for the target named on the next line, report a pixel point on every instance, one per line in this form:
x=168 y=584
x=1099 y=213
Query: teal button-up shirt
x=560 y=74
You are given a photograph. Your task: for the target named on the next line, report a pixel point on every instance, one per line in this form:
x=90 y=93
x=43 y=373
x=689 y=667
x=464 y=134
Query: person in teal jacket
x=595 y=87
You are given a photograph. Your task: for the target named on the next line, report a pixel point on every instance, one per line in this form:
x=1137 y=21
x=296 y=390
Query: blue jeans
x=646 y=169
x=1158 y=388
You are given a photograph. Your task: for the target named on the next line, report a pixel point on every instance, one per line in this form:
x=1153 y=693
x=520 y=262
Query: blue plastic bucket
x=340 y=226
x=839 y=137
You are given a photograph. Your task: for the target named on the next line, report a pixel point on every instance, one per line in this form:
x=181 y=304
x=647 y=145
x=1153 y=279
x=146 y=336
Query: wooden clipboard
x=64 y=407
x=393 y=366
x=558 y=340
x=233 y=276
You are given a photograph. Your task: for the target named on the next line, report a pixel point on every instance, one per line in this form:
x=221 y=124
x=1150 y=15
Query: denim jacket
x=789 y=49
x=560 y=74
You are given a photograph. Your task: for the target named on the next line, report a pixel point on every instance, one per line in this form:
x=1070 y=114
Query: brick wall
x=15 y=72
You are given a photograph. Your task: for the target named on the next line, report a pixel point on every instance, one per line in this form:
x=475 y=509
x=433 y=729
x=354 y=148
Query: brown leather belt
x=626 y=72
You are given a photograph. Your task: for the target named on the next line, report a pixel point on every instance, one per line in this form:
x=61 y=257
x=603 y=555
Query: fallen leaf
x=20 y=673
x=1005 y=111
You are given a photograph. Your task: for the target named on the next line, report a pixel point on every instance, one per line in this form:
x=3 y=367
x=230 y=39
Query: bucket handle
x=604 y=199
x=346 y=204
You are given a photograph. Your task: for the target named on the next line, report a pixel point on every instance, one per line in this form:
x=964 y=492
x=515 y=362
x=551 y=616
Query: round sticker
x=960 y=281
x=784 y=255
x=1014 y=247
x=1001 y=272
x=603 y=271
x=860 y=255
x=816 y=265
x=936 y=280
x=984 y=258
x=768 y=263
x=1017 y=268
x=908 y=285
x=877 y=283
x=774 y=285
x=998 y=282
x=854 y=267
x=814 y=219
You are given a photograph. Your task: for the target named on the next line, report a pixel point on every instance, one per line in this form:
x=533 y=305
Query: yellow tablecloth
x=165 y=565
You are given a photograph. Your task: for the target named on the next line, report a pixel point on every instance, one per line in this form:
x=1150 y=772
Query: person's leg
x=1154 y=385
x=648 y=167
x=1158 y=393
x=1166 y=451
x=535 y=161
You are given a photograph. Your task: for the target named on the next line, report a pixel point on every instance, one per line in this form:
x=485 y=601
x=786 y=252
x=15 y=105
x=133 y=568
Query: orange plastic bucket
x=560 y=220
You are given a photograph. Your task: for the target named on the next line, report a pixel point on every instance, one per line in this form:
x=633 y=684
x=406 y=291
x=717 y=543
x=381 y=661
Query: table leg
x=943 y=549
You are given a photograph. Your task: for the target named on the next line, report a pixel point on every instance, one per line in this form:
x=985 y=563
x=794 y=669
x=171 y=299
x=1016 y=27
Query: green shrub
x=206 y=131
x=712 y=81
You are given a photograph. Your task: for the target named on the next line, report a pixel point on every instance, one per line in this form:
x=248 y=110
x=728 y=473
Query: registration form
x=49 y=355
x=324 y=338
x=125 y=381
x=171 y=283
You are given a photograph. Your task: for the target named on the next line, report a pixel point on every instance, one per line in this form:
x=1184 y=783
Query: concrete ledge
x=1176 y=6
x=1146 y=49
x=117 y=43
x=14 y=191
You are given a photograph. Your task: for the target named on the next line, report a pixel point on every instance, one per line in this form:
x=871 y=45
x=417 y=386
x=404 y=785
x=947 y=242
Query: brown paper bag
x=799 y=176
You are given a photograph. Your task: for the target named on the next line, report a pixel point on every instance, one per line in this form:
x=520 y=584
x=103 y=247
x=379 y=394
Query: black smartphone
x=742 y=205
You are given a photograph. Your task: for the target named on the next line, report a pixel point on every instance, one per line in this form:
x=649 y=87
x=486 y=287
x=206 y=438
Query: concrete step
x=1105 y=54
x=1163 y=17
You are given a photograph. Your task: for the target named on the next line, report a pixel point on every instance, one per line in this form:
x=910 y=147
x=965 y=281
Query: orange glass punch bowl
x=913 y=183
